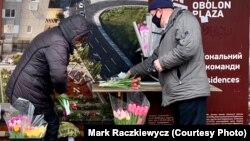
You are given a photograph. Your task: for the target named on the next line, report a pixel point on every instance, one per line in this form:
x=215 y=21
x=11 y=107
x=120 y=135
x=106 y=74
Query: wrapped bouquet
x=21 y=122
x=132 y=112
x=122 y=82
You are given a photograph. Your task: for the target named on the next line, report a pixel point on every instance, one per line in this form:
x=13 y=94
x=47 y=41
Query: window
x=8 y=37
x=29 y=29
x=11 y=28
x=8 y=28
x=33 y=6
x=10 y=13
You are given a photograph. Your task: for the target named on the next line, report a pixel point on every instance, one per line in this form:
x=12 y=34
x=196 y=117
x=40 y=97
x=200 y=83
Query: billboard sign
x=225 y=29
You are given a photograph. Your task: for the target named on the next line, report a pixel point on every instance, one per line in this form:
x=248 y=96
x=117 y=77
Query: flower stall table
x=145 y=87
x=120 y=91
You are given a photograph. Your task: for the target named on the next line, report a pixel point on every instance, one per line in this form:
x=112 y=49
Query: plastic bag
x=22 y=123
x=132 y=112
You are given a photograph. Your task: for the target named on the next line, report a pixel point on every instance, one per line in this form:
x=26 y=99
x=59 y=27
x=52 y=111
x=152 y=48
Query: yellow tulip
x=36 y=132
x=16 y=128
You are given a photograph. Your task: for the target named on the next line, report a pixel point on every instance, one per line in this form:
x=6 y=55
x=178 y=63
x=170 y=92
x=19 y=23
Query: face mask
x=156 y=21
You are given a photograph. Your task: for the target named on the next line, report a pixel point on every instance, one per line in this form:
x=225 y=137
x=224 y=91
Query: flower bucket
x=22 y=124
x=133 y=111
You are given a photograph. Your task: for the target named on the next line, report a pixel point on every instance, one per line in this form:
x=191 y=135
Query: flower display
x=133 y=115
x=133 y=82
x=20 y=127
x=138 y=113
x=133 y=111
x=21 y=122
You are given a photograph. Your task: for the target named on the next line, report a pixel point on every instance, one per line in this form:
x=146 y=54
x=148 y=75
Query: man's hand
x=157 y=65
x=128 y=73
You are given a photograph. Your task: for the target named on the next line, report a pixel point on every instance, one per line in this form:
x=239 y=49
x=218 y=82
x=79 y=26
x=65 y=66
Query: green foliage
x=83 y=52
x=95 y=70
x=16 y=57
x=16 y=135
x=93 y=67
x=68 y=129
x=118 y=23
x=4 y=77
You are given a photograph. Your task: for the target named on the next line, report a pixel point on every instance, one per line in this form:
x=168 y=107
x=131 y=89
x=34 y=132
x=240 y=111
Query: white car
x=80 y=5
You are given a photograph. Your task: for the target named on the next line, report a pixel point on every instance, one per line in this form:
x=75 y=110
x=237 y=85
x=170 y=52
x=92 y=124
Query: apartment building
x=22 y=21
x=1 y=29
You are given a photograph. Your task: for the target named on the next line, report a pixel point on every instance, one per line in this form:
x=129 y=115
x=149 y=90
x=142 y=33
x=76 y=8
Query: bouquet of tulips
x=132 y=112
x=21 y=123
x=122 y=81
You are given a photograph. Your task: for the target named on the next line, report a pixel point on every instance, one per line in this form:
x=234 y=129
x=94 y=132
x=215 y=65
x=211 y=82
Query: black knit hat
x=160 y=4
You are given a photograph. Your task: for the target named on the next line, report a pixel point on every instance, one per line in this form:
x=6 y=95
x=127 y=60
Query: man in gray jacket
x=179 y=61
x=42 y=69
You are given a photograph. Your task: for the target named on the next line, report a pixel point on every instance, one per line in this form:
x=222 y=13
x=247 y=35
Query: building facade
x=1 y=29
x=22 y=21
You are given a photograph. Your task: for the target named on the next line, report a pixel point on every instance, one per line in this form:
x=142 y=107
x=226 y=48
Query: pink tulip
x=139 y=121
x=141 y=111
x=118 y=112
x=127 y=116
x=18 y=122
x=130 y=107
x=138 y=107
x=145 y=110
x=133 y=108
x=26 y=119
x=10 y=125
x=115 y=114
x=123 y=114
x=136 y=112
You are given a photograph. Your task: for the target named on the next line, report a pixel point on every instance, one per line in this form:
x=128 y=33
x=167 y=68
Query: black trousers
x=190 y=112
x=53 y=126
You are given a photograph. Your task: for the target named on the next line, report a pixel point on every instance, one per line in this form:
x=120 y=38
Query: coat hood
x=73 y=27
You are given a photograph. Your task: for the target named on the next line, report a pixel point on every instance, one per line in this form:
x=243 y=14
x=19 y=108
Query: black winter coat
x=43 y=66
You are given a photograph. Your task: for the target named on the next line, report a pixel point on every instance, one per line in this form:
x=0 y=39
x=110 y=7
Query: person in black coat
x=42 y=69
